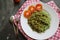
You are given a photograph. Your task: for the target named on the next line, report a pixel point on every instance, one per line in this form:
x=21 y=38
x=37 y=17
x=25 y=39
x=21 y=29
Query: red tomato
x=32 y=8
x=17 y=1
x=27 y=14
x=39 y=7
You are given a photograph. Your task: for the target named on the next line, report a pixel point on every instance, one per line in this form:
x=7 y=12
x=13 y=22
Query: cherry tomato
x=32 y=8
x=27 y=14
x=17 y=1
x=39 y=7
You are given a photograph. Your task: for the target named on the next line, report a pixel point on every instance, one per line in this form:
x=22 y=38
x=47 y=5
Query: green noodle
x=39 y=21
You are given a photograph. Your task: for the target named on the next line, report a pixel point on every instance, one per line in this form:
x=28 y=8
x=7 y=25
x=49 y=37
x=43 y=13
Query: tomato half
x=27 y=13
x=39 y=7
x=32 y=8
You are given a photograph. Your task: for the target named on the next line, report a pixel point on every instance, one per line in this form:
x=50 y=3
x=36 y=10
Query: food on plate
x=38 y=18
x=27 y=13
x=39 y=7
x=32 y=8
x=39 y=21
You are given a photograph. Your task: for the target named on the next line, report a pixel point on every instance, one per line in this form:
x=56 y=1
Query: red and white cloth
x=56 y=36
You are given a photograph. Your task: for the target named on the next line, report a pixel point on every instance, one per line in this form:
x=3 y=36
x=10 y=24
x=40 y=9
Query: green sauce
x=39 y=21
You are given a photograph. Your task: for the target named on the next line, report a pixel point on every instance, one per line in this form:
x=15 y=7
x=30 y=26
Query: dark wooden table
x=7 y=8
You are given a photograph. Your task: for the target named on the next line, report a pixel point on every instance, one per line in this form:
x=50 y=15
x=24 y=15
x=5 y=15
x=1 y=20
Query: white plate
x=48 y=33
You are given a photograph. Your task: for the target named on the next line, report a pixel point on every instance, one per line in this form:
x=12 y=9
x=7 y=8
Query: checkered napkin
x=56 y=36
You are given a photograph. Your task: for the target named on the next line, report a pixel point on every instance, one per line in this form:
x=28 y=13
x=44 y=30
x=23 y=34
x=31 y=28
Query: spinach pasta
x=39 y=21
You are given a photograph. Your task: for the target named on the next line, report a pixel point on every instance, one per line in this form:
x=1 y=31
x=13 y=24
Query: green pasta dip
x=39 y=21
